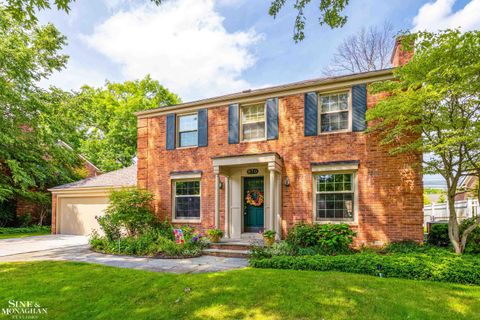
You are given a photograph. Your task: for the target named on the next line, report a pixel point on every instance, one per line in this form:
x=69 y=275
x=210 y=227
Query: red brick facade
x=389 y=187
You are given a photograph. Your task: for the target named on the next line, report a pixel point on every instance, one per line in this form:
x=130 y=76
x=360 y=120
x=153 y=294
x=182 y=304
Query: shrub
x=277 y=249
x=321 y=238
x=31 y=229
x=130 y=209
x=111 y=229
x=473 y=241
x=446 y=267
x=7 y=213
x=438 y=235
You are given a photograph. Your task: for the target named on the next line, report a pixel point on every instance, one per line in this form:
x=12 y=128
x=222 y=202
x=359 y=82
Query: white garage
x=76 y=205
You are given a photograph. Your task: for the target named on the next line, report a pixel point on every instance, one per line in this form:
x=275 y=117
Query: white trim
x=186 y=175
x=317 y=168
x=349 y=110
x=173 y=188
x=241 y=123
x=354 y=221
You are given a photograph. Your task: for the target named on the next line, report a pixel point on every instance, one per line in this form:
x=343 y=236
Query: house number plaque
x=252 y=171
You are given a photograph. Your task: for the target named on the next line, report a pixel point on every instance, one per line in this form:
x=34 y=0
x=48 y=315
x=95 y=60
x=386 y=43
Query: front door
x=253 y=212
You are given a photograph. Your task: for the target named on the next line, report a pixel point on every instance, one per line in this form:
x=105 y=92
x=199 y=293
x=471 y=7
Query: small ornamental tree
x=433 y=107
x=130 y=209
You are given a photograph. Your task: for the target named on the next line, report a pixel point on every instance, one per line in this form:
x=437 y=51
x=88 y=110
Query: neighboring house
x=275 y=157
x=468 y=187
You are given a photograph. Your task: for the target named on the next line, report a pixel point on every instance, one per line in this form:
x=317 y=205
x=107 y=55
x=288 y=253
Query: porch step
x=231 y=246
x=227 y=253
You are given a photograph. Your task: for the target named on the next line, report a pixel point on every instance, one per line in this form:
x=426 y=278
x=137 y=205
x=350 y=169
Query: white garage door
x=77 y=215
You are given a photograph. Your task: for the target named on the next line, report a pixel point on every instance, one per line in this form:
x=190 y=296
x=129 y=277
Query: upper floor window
x=253 y=122
x=335 y=112
x=187 y=130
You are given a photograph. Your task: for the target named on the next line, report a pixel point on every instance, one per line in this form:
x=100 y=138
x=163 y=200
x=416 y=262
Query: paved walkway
x=82 y=253
x=38 y=243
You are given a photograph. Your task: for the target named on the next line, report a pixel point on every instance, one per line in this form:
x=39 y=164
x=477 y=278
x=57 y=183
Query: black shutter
x=359 y=107
x=170 y=131
x=272 y=118
x=233 y=114
x=311 y=114
x=203 y=127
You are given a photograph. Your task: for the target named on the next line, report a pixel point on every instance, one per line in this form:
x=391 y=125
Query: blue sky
x=204 y=48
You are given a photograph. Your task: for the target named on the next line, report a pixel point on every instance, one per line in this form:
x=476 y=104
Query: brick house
x=302 y=148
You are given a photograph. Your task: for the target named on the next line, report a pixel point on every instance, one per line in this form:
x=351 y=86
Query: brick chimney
x=399 y=55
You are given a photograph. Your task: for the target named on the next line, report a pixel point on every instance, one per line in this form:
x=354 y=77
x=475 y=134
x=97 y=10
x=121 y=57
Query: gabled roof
x=284 y=89
x=126 y=177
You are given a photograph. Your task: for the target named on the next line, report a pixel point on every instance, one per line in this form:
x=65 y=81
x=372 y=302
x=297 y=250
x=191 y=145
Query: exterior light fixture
x=287 y=182
x=220 y=184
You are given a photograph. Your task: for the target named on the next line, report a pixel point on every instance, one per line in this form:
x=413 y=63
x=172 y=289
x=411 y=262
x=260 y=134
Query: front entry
x=254 y=212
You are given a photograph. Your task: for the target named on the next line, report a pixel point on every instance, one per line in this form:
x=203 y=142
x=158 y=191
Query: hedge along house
x=274 y=157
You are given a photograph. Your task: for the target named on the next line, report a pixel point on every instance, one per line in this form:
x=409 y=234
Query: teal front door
x=253 y=214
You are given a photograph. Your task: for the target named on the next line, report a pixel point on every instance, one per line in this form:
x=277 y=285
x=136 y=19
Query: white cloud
x=440 y=15
x=74 y=76
x=181 y=43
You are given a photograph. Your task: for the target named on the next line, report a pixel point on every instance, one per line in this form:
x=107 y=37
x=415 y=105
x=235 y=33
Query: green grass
x=22 y=232
x=23 y=235
x=85 y=291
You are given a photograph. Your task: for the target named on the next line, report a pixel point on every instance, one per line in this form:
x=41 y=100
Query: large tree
x=434 y=107
x=367 y=50
x=31 y=159
x=105 y=125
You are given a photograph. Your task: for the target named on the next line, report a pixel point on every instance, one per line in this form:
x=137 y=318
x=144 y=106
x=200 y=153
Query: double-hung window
x=187 y=199
x=335 y=112
x=334 y=197
x=187 y=130
x=253 y=122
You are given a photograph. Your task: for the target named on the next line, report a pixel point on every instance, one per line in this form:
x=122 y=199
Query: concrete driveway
x=75 y=248
x=39 y=243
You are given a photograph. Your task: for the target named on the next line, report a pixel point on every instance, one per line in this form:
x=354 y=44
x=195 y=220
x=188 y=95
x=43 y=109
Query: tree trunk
x=453 y=232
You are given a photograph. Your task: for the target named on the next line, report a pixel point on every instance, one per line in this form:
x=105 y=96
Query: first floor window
x=187 y=199
x=334 y=197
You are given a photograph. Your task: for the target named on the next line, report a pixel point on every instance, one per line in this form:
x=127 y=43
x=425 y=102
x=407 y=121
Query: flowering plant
x=254 y=198
x=269 y=234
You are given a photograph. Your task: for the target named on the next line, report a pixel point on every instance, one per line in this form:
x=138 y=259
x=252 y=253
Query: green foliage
x=473 y=240
x=156 y=241
x=321 y=238
x=106 y=127
x=445 y=267
x=426 y=200
x=110 y=228
x=32 y=229
x=432 y=108
x=269 y=234
x=428 y=190
x=215 y=233
x=129 y=208
x=7 y=213
x=330 y=14
x=438 y=235
x=31 y=159
x=281 y=248
x=442 y=198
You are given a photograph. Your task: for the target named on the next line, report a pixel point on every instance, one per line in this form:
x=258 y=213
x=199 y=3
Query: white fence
x=439 y=212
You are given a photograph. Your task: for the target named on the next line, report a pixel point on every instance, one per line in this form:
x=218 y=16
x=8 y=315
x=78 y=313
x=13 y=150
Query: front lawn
x=7 y=233
x=85 y=291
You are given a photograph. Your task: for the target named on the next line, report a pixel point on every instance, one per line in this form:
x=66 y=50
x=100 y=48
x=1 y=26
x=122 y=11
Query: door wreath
x=254 y=198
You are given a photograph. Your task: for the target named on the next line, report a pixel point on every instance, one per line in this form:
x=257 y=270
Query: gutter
x=283 y=90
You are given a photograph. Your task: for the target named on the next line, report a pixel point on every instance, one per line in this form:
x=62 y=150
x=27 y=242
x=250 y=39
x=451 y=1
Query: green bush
x=281 y=248
x=446 y=267
x=438 y=235
x=31 y=229
x=473 y=241
x=155 y=241
x=321 y=238
x=129 y=208
x=110 y=229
